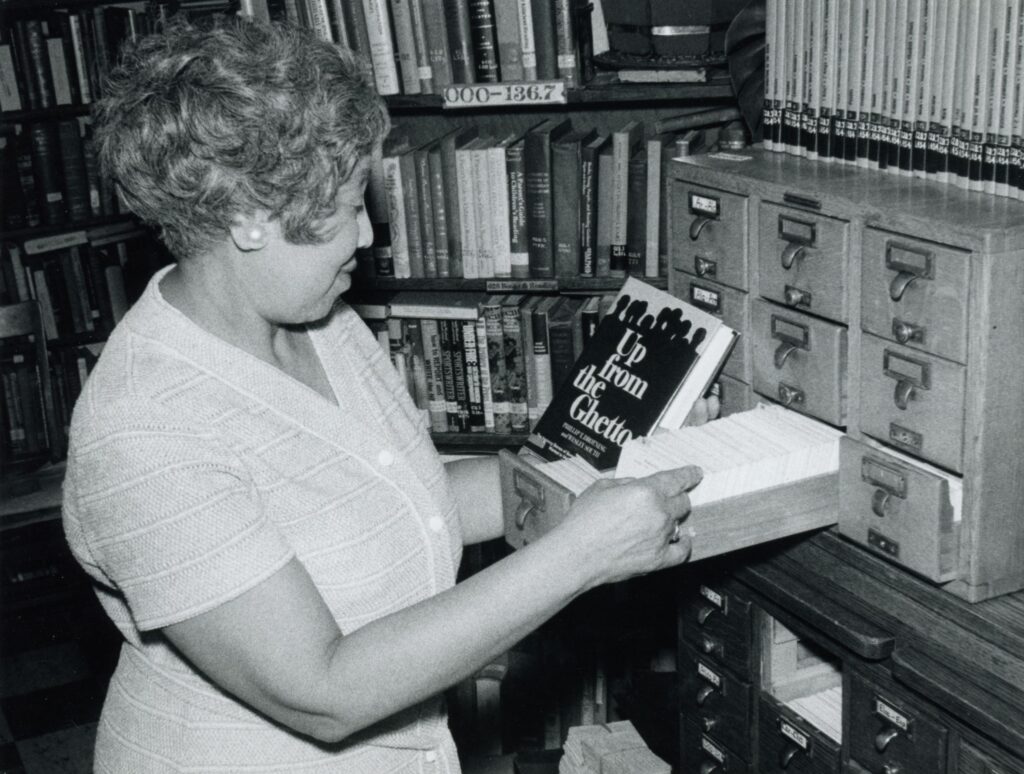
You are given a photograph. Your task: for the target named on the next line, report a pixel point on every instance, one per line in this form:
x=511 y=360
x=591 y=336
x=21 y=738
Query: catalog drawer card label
x=797 y=737
x=713 y=597
x=712 y=749
x=709 y=675
x=898 y=719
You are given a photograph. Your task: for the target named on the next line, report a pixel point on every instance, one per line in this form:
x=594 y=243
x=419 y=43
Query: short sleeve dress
x=196 y=471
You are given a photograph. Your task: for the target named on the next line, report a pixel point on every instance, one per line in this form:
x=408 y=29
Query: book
x=625 y=142
x=515 y=364
x=539 y=217
x=519 y=238
x=545 y=46
x=432 y=363
x=405 y=45
x=542 y=387
x=509 y=41
x=382 y=50
x=460 y=41
x=650 y=359
x=605 y=206
x=491 y=314
x=566 y=190
x=589 y=184
x=636 y=213
x=437 y=43
x=658 y=151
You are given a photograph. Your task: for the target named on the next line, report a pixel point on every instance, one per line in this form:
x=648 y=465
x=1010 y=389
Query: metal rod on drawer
x=792 y=252
x=900 y=283
x=697 y=226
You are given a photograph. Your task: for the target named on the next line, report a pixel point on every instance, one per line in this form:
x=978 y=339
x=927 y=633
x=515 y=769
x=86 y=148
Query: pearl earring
x=256 y=234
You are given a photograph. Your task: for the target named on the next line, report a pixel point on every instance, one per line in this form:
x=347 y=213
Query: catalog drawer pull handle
x=900 y=283
x=788 y=755
x=704 y=613
x=709 y=767
x=884 y=738
x=880 y=502
x=790 y=255
x=782 y=353
x=697 y=226
x=903 y=394
x=704 y=694
x=790 y=395
x=523 y=511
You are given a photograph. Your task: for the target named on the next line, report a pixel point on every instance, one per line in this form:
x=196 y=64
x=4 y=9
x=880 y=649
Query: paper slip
x=746 y=452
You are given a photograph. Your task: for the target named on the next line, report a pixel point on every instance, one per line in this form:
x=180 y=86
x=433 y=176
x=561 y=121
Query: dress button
x=431 y=756
x=436 y=523
x=385 y=458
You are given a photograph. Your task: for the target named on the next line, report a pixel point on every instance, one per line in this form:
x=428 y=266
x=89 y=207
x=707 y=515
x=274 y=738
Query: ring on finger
x=676 y=533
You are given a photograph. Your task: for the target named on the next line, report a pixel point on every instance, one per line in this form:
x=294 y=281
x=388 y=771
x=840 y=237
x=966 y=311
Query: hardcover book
x=650 y=359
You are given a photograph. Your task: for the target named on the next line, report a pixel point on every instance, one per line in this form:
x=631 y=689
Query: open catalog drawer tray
x=534 y=503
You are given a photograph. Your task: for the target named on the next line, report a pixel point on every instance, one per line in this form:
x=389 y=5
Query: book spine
x=908 y=89
x=636 y=214
x=519 y=239
x=382 y=51
x=524 y=11
x=460 y=376
x=401 y=264
x=542 y=358
x=74 y=291
x=405 y=45
x=1016 y=163
x=81 y=65
x=566 y=60
x=437 y=195
x=484 y=367
x=588 y=210
x=539 y=220
x=437 y=43
x=39 y=62
x=561 y=342
x=622 y=151
x=1008 y=96
x=828 y=30
x=10 y=88
x=59 y=71
x=417 y=364
x=529 y=364
x=811 y=80
x=319 y=20
x=76 y=182
x=864 y=30
x=652 y=211
x=565 y=189
x=354 y=14
x=485 y=216
x=432 y=360
x=515 y=367
x=452 y=206
x=772 y=72
x=605 y=215
x=545 y=47
x=485 y=43
x=25 y=66
x=467 y=214
x=425 y=201
x=424 y=65
x=510 y=50
x=448 y=375
x=46 y=172
x=410 y=200
x=460 y=41
x=495 y=343
x=924 y=84
x=501 y=231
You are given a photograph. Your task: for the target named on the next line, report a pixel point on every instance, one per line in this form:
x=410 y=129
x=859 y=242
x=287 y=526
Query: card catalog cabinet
x=890 y=307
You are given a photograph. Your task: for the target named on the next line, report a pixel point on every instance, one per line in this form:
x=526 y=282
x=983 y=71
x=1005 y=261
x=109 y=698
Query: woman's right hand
x=619 y=528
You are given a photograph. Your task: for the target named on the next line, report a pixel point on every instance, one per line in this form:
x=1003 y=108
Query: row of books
x=425 y=46
x=61 y=57
x=478 y=362
x=84 y=281
x=925 y=88
x=51 y=176
x=551 y=201
x=23 y=422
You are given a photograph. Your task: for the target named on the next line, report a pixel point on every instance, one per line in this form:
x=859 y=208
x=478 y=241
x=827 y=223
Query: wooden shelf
x=502 y=285
x=44 y=114
x=649 y=94
x=35 y=232
x=476 y=443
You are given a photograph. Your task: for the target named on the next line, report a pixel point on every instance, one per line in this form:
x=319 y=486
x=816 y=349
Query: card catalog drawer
x=711 y=236
x=727 y=303
x=718 y=624
x=802 y=261
x=889 y=733
x=913 y=401
x=971 y=760
x=787 y=743
x=915 y=292
x=800 y=361
x=700 y=754
x=716 y=701
x=734 y=395
x=897 y=509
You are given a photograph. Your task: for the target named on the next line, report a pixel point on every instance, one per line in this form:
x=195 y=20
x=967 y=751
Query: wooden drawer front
x=802 y=261
x=913 y=401
x=711 y=238
x=900 y=511
x=716 y=701
x=700 y=754
x=727 y=303
x=915 y=292
x=800 y=361
x=734 y=395
x=787 y=743
x=971 y=760
x=718 y=624
x=888 y=733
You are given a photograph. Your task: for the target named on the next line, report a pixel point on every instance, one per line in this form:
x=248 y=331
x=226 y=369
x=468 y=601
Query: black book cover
x=539 y=219
x=485 y=41
x=460 y=41
x=631 y=370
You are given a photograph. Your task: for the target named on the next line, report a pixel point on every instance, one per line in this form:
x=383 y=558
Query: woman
x=249 y=485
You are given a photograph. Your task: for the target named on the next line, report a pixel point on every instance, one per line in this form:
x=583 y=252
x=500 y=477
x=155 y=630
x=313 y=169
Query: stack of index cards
x=742 y=453
x=610 y=748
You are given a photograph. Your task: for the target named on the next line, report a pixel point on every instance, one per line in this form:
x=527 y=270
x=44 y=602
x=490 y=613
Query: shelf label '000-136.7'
x=476 y=95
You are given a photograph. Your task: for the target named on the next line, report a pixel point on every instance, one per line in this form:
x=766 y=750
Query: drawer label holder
x=709 y=675
x=712 y=749
x=713 y=597
x=797 y=737
x=893 y=716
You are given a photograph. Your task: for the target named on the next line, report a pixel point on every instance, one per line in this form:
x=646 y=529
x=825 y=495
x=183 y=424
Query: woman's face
x=300 y=283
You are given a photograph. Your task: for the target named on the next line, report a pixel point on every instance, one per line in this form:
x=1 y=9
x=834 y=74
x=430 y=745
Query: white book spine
x=319 y=21
x=396 y=217
x=485 y=217
x=382 y=51
x=467 y=213
x=484 y=362
x=81 y=66
x=501 y=226
x=527 y=39
x=653 y=219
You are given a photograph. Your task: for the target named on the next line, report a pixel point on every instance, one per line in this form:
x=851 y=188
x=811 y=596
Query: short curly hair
x=202 y=123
